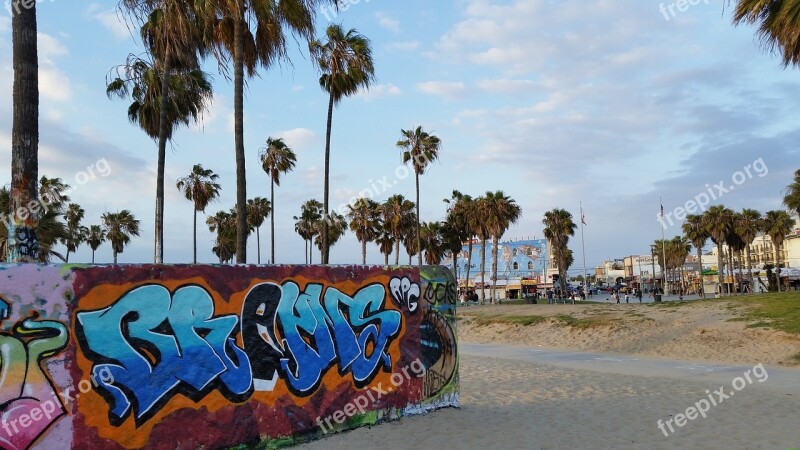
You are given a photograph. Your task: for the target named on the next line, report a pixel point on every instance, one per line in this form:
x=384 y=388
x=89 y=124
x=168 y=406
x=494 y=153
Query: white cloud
x=5 y=24
x=379 y=91
x=443 y=88
x=53 y=83
x=388 y=22
x=504 y=86
x=110 y=19
x=298 y=138
x=49 y=47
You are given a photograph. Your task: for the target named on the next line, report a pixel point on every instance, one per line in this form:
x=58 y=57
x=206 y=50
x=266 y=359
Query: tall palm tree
x=345 y=60
x=409 y=236
x=792 y=194
x=453 y=236
x=718 y=222
x=432 y=243
x=499 y=213
x=188 y=92
x=336 y=228
x=257 y=211
x=420 y=148
x=224 y=224
x=22 y=243
x=119 y=228
x=306 y=224
x=778 y=24
x=199 y=187
x=695 y=231
x=748 y=226
x=173 y=32
x=559 y=227
x=396 y=216
x=95 y=236
x=777 y=225
x=253 y=33
x=481 y=230
x=364 y=216
x=53 y=192
x=276 y=159
x=75 y=233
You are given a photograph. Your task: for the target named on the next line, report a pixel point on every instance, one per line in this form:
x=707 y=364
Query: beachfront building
x=609 y=272
x=521 y=267
x=641 y=271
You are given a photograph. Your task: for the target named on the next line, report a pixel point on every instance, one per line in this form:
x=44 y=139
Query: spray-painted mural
x=203 y=356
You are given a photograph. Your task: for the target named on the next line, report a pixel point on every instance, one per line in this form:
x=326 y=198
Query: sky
x=621 y=106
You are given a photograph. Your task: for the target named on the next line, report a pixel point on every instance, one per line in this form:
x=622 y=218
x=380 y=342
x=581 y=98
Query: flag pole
x=663 y=247
x=583 y=249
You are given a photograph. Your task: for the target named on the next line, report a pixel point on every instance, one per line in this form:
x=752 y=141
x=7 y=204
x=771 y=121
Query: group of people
x=637 y=293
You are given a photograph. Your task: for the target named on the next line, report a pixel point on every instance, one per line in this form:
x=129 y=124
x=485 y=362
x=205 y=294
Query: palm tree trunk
x=92 y=256
x=778 y=266
x=194 y=237
x=397 y=252
x=720 y=268
x=272 y=221
x=115 y=256
x=494 y=267
x=750 y=270
x=731 y=268
x=238 y=106
x=258 y=244
x=24 y=135
x=483 y=265
x=305 y=252
x=469 y=264
x=163 y=130
x=364 y=252
x=700 y=261
x=386 y=259
x=409 y=258
x=325 y=249
x=419 y=242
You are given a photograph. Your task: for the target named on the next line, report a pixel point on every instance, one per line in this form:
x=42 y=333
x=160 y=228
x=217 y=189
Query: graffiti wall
x=114 y=357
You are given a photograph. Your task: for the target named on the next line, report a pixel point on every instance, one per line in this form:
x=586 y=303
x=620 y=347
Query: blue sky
x=555 y=103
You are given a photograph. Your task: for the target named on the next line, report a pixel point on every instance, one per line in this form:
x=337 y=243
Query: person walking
x=639 y=295
x=626 y=298
x=616 y=296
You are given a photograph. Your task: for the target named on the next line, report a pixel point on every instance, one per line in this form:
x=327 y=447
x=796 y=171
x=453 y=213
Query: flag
x=583 y=218
x=662 y=211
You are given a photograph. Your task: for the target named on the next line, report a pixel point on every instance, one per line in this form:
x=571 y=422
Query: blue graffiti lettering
x=156 y=345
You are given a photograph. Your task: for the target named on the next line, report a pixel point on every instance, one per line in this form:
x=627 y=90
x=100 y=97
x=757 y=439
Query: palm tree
x=695 y=231
x=201 y=188
x=119 y=228
x=95 y=236
x=409 y=236
x=307 y=224
x=75 y=233
x=345 y=61
x=461 y=213
x=396 y=215
x=53 y=192
x=385 y=241
x=748 y=226
x=364 y=216
x=778 y=25
x=161 y=100
x=336 y=228
x=792 y=197
x=421 y=149
x=22 y=238
x=677 y=251
x=559 y=227
x=499 y=213
x=481 y=230
x=257 y=211
x=224 y=224
x=777 y=225
x=276 y=159
x=453 y=236
x=718 y=222
x=251 y=33
x=432 y=243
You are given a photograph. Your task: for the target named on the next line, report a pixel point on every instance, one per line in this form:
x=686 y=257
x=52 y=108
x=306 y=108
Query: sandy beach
x=607 y=384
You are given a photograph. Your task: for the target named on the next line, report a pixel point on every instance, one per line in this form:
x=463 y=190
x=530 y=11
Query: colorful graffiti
x=242 y=353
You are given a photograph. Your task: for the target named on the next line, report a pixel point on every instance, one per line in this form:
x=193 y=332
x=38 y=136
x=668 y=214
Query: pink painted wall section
x=119 y=357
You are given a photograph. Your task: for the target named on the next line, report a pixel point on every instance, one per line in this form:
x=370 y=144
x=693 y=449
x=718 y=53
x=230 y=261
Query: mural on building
x=232 y=355
x=519 y=259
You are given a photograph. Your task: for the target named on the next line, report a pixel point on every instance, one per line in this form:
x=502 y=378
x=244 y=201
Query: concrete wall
x=111 y=357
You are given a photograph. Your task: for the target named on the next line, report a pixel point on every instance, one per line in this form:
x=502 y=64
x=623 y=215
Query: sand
x=513 y=400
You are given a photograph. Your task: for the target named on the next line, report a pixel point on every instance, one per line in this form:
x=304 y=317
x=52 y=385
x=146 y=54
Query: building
x=521 y=266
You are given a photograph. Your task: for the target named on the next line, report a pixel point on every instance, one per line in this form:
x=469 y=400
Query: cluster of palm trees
x=558 y=228
x=60 y=222
x=735 y=230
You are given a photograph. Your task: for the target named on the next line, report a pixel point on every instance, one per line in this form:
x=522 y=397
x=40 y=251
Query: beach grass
x=779 y=311
x=483 y=320
x=589 y=322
